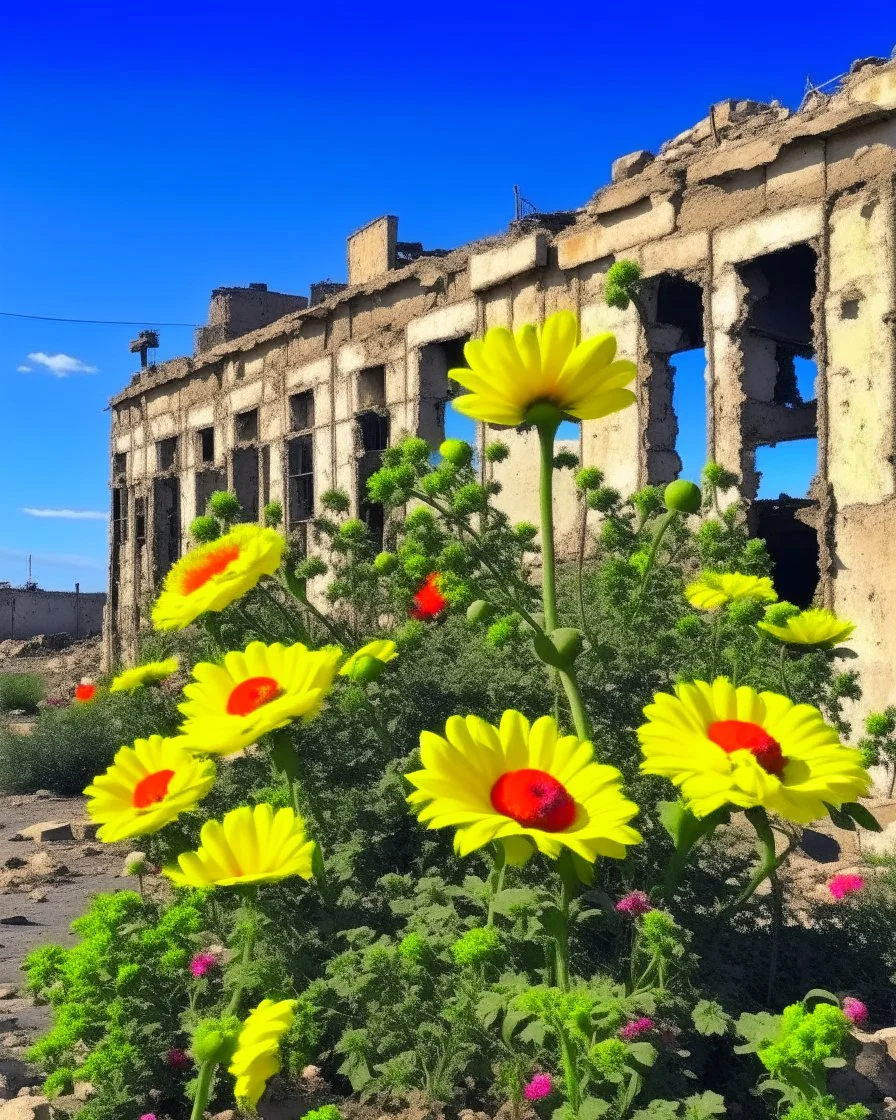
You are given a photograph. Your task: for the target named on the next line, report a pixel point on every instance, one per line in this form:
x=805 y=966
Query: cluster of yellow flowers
x=522 y=784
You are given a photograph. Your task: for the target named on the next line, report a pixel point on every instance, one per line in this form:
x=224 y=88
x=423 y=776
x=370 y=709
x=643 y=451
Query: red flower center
x=152 y=789
x=429 y=601
x=739 y=735
x=85 y=692
x=533 y=799
x=251 y=694
x=212 y=564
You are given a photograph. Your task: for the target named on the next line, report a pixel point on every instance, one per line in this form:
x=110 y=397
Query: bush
x=20 y=692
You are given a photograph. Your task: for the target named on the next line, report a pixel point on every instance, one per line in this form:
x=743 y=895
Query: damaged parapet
x=375 y=250
x=237 y=311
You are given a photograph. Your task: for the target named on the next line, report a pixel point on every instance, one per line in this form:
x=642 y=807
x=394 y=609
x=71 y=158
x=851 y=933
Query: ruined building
x=767 y=237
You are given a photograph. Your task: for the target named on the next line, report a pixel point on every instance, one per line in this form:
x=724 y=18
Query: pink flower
x=842 y=885
x=855 y=1011
x=635 y=903
x=178 y=1058
x=538 y=1088
x=149 y=1116
x=635 y=1028
x=203 y=963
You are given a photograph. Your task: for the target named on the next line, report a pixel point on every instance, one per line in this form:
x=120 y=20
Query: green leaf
x=512 y=1020
x=533 y=1033
x=756 y=1029
x=284 y=756
x=835 y=1063
x=592 y=1108
x=823 y=994
x=703 y=1106
x=658 y=1110
x=644 y=1053
x=489 y=1007
x=862 y=816
x=508 y=900
x=710 y=1017
x=552 y=921
x=840 y=819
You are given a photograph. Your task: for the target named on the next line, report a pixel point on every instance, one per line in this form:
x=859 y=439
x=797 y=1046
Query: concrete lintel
x=443 y=323
x=122 y=443
x=766 y=234
x=202 y=417
x=617 y=231
x=246 y=397
x=162 y=426
x=489 y=269
x=678 y=253
x=350 y=358
x=310 y=374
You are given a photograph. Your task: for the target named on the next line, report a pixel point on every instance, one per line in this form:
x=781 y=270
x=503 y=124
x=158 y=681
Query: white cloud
x=23 y=369
x=61 y=365
x=67 y=514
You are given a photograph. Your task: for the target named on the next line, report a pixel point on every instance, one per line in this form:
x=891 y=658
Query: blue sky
x=158 y=151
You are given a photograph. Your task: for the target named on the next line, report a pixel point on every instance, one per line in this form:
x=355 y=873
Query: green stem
x=496 y=879
x=375 y=723
x=714 y=647
x=570 y=1073
x=785 y=683
x=654 y=549
x=248 y=945
x=561 y=939
x=203 y=1088
x=546 y=433
x=294 y=624
x=769 y=861
x=580 y=717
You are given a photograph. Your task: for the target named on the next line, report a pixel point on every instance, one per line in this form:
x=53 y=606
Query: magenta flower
x=149 y=1116
x=203 y=963
x=855 y=1011
x=842 y=885
x=636 y=1028
x=538 y=1088
x=177 y=1058
x=635 y=903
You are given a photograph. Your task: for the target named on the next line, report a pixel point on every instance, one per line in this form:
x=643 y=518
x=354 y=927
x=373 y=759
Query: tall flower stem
x=785 y=683
x=547 y=430
x=248 y=946
x=570 y=1073
x=203 y=1088
x=496 y=880
x=654 y=549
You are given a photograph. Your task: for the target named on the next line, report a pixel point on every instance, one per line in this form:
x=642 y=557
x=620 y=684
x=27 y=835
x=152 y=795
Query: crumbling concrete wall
x=26 y=613
x=763 y=234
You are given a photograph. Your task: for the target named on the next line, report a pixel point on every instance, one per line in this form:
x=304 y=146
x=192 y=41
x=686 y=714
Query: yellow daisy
x=213 y=575
x=524 y=784
x=813 y=627
x=368 y=662
x=715 y=589
x=511 y=371
x=723 y=745
x=147 y=785
x=257 y=1054
x=229 y=706
x=257 y=845
x=141 y=675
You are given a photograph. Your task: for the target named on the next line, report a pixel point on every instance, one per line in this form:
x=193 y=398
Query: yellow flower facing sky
x=367 y=662
x=813 y=627
x=213 y=575
x=250 y=845
x=716 y=589
x=723 y=745
x=257 y=1054
x=147 y=785
x=512 y=371
x=129 y=680
x=523 y=784
x=229 y=706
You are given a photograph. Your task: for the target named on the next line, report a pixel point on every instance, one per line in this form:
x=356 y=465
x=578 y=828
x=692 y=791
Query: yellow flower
x=213 y=575
x=723 y=745
x=150 y=673
x=230 y=706
x=368 y=662
x=813 y=627
x=524 y=784
x=257 y=845
x=715 y=589
x=147 y=785
x=510 y=372
x=257 y=1054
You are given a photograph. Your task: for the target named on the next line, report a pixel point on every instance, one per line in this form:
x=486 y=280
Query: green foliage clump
x=21 y=692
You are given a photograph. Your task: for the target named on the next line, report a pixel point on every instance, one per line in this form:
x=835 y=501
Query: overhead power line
x=96 y=322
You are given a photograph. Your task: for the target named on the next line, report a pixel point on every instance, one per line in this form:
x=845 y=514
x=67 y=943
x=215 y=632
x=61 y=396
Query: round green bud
x=204 y=529
x=412 y=948
x=603 y=499
x=565 y=461
x=311 y=567
x=589 y=478
x=354 y=531
x=457 y=452
x=689 y=626
x=215 y=1040
x=683 y=496
x=746 y=612
x=880 y=724
x=480 y=611
x=525 y=531
x=223 y=504
x=415 y=450
x=502 y=631
x=419 y=519
x=778 y=613
x=385 y=562
x=452 y=558
x=639 y=561
x=273 y=515
x=365 y=670
x=496 y=452
x=715 y=475
x=476 y=946
x=471 y=498
x=543 y=413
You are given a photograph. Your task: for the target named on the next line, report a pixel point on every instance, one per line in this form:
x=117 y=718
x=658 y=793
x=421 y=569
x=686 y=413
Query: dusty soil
x=62 y=669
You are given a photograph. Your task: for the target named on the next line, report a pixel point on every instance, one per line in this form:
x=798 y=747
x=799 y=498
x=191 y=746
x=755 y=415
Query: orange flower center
x=152 y=789
x=534 y=799
x=212 y=564
x=251 y=694
x=739 y=735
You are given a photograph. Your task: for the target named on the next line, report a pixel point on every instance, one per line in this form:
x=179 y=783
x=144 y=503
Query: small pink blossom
x=842 y=885
x=149 y=1116
x=635 y=903
x=636 y=1028
x=177 y=1058
x=203 y=963
x=855 y=1011
x=538 y=1088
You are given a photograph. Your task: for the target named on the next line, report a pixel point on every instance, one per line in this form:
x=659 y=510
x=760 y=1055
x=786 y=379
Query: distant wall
x=23 y=614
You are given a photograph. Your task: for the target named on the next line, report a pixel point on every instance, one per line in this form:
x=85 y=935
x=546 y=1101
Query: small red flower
x=85 y=692
x=177 y=1058
x=429 y=602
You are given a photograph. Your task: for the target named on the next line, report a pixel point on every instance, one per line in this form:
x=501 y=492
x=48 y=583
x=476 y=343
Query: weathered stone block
x=443 y=323
x=493 y=267
x=616 y=231
x=679 y=253
x=48 y=831
x=632 y=164
x=764 y=235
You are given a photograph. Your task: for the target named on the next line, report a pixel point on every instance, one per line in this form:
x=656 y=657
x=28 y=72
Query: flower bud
x=479 y=611
x=682 y=496
x=456 y=451
x=214 y=1040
